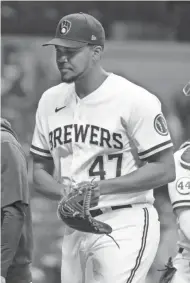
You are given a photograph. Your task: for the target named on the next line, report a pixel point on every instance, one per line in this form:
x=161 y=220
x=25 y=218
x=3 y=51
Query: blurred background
x=148 y=43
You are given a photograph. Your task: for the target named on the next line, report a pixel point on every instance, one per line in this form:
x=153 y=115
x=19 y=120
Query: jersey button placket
x=76 y=120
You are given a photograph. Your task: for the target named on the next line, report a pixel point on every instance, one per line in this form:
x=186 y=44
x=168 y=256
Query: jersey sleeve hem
x=184 y=164
x=40 y=151
x=180 y=203
x=155 y=149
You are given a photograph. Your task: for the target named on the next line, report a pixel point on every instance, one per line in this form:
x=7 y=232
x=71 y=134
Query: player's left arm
x=159 y=170
x=147 y=127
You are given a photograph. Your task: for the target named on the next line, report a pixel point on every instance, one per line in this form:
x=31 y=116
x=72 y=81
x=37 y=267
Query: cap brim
x=65 y=43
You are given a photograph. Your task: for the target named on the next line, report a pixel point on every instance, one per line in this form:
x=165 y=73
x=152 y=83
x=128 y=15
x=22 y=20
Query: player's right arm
x=179 y=190
x=146 y=126
x=43 y=164
x=44 y=183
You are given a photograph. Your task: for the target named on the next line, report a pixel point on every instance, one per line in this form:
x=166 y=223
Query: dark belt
x=97 y=212
x=180 y=250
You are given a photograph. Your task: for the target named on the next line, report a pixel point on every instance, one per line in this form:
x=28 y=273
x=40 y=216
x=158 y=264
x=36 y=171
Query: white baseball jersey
x=179 y=190
x=106 y=134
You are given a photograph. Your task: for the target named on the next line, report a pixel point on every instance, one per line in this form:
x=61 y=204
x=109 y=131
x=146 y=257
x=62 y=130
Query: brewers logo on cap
x=65 y=27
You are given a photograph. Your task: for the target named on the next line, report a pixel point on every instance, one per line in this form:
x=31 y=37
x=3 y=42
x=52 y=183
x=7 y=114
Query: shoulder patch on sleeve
x=185 y=158
x=160 y=125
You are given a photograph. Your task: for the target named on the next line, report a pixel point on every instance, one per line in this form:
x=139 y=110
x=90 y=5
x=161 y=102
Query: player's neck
x=90 y=82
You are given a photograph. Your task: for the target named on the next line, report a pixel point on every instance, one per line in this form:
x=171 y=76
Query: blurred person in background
x=178 y=269
x=181 y=105
x=12 y=73
x=65 y=142
x=178 y=117
x=16 y=223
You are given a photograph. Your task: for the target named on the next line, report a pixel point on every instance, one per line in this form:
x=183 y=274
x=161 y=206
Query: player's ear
x=97 y=52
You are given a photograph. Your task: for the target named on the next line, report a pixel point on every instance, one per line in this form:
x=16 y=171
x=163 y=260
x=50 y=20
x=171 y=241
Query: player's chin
x=67 y=79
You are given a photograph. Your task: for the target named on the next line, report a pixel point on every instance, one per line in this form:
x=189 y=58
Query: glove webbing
x=87 y=199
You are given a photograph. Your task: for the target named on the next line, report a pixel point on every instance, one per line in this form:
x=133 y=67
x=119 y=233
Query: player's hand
x=3 y=279
x=95 y=192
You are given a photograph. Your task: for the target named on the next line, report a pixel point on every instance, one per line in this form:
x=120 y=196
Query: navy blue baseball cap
x=78 y=30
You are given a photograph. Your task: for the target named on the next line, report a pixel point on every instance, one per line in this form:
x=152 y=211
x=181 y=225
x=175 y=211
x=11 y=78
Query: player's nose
x=62 y=59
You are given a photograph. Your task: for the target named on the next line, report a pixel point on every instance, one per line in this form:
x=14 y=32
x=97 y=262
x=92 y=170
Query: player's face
x=73 y=63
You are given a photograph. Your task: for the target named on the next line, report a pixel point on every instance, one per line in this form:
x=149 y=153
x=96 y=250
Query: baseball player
x=179 y=192
x=16 y=226
x=93 y=126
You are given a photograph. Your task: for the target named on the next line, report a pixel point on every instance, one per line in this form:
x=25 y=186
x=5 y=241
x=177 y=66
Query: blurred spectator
x=12 y=73
x=178 y=116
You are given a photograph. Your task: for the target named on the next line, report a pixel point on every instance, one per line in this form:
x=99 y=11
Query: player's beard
x=70 y=79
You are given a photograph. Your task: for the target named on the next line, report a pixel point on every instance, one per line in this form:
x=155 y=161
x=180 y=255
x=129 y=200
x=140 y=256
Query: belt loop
x=180 y=250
